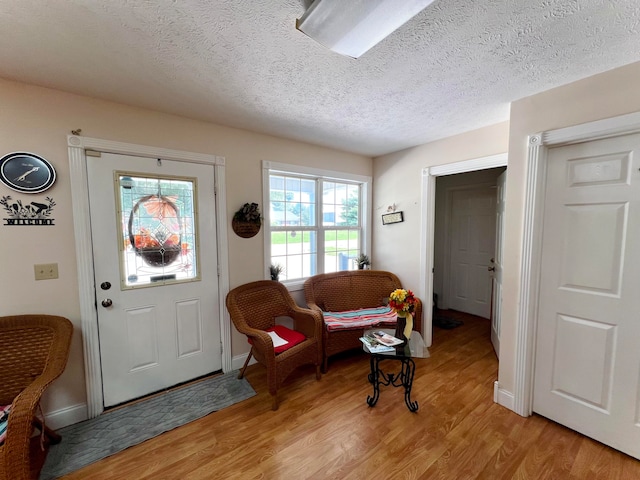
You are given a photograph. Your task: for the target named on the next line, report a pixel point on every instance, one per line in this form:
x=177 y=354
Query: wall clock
x=26 y=172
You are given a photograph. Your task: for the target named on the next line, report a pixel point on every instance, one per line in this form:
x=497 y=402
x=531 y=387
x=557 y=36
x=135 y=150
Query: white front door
x=587 y=363
x=155 y=261
x=473 y=220
x=497 y=263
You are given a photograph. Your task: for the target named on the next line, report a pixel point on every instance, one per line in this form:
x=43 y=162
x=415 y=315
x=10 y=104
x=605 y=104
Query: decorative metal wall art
x=27 y=213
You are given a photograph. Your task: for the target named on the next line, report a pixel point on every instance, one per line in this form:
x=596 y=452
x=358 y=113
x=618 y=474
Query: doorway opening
x=427 y=226
x=468 y=249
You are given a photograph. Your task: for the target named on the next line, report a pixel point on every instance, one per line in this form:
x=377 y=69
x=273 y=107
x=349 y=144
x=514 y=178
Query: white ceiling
x=453 y=68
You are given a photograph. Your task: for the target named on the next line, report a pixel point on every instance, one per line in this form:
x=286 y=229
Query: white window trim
x=269 y=167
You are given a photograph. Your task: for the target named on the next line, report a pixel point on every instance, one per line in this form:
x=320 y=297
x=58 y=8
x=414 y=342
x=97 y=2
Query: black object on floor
x=447 y=323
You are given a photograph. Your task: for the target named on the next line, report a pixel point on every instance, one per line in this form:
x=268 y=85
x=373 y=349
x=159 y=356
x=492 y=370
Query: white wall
x=38 y=120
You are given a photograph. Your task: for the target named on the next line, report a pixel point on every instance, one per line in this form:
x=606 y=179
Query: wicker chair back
x=33 y=353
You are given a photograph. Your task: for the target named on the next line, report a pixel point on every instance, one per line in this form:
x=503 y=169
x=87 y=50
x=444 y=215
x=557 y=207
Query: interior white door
x=155 y=261
x=498 y=262
x=472 y=237
x=587 y=364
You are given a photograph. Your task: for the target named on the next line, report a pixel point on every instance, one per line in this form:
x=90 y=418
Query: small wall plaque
x=394 y=217
x=33 y=213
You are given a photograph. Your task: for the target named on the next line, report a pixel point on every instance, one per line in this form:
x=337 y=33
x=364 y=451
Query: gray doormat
x=92 y=440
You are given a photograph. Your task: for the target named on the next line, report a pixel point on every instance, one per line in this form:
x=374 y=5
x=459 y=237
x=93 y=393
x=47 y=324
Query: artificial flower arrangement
x=144 y=239
x=403 y=302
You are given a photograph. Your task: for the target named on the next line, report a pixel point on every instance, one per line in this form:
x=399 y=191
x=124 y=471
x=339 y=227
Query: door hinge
x=221 y=348
x=92 y=153
x=218 y=267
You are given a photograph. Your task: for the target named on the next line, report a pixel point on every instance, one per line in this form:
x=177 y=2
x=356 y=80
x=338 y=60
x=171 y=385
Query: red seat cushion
x=291 y=336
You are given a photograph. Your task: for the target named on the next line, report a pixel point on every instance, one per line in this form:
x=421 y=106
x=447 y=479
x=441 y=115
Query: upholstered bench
x=351 y=302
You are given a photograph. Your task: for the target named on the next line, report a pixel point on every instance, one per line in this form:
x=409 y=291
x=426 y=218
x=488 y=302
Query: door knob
x=491 y=269
x=107 y=302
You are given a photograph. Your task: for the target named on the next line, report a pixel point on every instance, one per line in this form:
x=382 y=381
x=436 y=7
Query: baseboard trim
x=503 y=397
x=67 y=416
x=238 y=361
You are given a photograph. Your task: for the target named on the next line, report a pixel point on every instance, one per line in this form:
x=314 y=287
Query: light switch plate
x=46 y=271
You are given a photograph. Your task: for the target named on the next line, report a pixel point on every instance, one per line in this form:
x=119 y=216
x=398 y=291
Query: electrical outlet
x=46 y=271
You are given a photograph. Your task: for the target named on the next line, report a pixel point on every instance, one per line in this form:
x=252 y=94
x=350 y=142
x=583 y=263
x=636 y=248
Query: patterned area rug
x=89 y=441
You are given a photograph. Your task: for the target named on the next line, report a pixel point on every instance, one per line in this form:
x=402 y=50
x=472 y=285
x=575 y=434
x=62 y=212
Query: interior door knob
x=491 y=269
x=106 y=302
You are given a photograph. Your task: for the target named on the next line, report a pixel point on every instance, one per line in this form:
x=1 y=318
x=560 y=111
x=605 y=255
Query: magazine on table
x=380 y=341
x=385 y=338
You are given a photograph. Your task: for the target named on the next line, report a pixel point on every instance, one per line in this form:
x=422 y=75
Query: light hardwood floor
x=325 y=430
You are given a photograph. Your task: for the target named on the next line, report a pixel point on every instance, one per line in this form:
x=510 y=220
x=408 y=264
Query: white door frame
x=84 y=254
x=527 y=319
x=427 y=225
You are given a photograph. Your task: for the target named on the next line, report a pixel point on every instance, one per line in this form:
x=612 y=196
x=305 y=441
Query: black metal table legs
x=403 y=379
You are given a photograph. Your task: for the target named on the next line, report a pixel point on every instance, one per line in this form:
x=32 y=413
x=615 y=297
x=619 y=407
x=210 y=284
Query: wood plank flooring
x=325 y=430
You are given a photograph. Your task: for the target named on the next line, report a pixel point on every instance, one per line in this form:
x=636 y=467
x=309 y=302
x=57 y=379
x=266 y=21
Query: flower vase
x=401 y=329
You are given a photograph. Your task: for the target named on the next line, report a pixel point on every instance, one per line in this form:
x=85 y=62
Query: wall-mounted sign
x=395 y=217
x=27 y=213
x=26 y=172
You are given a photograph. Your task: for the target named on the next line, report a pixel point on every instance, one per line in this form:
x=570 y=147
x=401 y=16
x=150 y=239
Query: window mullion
x=320 y=227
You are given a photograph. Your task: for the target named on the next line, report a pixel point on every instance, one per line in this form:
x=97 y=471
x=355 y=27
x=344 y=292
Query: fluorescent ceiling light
x=351 y=27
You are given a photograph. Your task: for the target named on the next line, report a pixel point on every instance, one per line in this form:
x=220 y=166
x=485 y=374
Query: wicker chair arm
x=20 y=427
x=261 y=340
x=16 y=450
x=313 y=305
x=417 y=315
x=307 y=321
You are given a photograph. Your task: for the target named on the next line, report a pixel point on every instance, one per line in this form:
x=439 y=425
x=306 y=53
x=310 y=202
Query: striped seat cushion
x=362 y=317
x=4 y=422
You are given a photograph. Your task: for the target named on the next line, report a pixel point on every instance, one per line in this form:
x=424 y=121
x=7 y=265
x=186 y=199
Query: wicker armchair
x=33 y=353
x=254 y=308
x=350 y=290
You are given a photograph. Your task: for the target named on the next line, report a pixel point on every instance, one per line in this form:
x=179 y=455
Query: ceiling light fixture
x=352 y=27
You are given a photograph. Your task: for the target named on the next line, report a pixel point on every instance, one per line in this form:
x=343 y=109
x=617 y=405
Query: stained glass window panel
x=158 y=230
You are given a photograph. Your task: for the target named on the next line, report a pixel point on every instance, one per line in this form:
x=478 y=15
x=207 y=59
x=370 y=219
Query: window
x=315 y=221
x=158 y=229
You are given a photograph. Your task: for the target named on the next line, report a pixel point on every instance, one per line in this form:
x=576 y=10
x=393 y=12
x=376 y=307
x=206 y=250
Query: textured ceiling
x=452 y=68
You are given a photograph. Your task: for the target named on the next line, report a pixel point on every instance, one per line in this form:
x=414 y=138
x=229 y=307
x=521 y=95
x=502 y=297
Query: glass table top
x=414 y=349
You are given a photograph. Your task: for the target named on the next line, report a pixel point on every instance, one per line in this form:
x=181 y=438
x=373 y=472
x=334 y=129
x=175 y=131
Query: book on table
x=379 y=341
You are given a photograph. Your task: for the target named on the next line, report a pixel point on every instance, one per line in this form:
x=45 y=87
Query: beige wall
x=397 y=179
x=38 y=120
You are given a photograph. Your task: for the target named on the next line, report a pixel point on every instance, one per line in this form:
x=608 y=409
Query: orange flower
x=161 y=207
